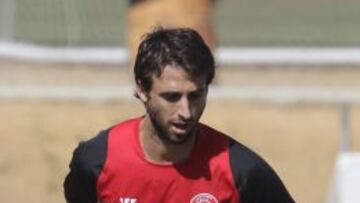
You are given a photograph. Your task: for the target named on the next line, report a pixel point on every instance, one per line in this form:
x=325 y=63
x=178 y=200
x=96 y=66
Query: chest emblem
x=204 y=198
x=128 y=200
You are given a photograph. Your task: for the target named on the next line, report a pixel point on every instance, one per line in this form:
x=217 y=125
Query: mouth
x=181 y=128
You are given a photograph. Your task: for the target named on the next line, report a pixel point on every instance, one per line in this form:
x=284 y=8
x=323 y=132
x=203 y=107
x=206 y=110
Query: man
x=167 y=155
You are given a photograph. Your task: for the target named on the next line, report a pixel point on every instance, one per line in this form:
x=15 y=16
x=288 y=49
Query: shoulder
x=240 y=155
x=212 y=134
x=90 y=154
x=245 y=163
x=85 y=167
x=254 y=177
x=242 y=158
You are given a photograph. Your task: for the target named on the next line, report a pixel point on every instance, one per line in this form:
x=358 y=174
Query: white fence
x=224 y=55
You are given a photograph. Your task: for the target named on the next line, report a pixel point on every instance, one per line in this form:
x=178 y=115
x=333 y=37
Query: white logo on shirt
x=128 y=200
x=204 y=198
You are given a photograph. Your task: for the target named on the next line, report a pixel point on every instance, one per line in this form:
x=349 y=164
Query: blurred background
x=287 y=85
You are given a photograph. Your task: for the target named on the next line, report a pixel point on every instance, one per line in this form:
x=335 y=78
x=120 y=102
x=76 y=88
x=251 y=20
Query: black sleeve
x=86 y=164
x=255 y=180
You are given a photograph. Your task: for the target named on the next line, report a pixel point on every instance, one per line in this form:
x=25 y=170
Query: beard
x=163 y=131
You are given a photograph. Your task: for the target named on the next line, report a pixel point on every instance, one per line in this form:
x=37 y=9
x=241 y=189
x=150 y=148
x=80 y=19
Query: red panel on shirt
x=127 y=177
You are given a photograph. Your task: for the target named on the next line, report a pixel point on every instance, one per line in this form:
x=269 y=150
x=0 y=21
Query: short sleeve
x=85 y=167
x=255 y=180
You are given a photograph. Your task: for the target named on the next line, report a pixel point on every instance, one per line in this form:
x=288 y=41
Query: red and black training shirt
x=111 y=168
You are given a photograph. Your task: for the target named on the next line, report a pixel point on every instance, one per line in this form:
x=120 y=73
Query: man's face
x=175 y=104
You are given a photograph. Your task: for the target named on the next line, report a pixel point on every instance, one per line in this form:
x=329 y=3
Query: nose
x=185 y=109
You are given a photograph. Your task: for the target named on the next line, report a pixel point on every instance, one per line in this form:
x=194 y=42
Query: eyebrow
x=202 y=89
x=169 y=92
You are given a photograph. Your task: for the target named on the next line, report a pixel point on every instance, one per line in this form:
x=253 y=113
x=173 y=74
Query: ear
x=140 y=92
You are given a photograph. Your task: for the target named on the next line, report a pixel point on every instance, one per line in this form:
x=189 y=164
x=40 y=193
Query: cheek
x=162 y=110
x=199 y=108
x=167 y=108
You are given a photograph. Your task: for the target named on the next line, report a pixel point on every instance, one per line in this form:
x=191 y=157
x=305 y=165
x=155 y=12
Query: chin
x=179 y=138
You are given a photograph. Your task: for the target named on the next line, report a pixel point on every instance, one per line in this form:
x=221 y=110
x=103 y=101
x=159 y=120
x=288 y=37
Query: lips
x=181 y=128
x=181 y=125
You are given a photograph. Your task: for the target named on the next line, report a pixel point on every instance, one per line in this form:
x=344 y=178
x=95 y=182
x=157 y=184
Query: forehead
x=175 y=78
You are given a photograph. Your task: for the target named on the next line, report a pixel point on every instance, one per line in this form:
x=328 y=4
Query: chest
x=138 y=183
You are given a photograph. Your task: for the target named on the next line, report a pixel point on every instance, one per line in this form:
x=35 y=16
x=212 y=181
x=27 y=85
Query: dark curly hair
x=178 y=47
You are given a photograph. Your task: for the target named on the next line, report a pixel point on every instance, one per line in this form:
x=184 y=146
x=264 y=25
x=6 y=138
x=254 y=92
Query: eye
x=171 y=97
x=196 y=95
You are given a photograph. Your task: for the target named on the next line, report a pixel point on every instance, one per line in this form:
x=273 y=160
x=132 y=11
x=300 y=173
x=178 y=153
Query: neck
x=159 y=151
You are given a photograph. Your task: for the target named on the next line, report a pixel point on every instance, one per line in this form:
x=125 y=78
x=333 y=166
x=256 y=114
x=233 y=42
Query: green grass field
x=237 y=23
x=288 y=23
